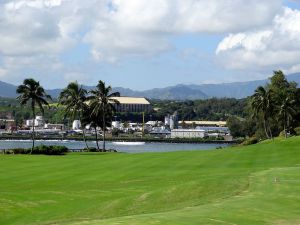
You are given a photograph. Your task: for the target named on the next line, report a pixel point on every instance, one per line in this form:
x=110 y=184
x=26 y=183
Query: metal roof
x=132 y=100
x=206 y=123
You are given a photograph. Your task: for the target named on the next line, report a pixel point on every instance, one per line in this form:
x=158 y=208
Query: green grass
x=258 y=184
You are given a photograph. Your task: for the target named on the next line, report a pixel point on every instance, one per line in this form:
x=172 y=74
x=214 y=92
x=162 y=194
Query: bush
x=297 y=131
x=91 y=149
x=250 y=141
x=41 y=150
x=20 y=151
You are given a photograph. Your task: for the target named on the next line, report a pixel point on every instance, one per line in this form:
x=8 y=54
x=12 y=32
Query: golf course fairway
x=257 y=184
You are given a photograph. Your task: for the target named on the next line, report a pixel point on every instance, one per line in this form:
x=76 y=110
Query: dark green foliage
x=240 y=127
x=277 y=105
x=250 y=141
x=91 y=149
x=297 y=130
x=41 y=150
x=210 y=109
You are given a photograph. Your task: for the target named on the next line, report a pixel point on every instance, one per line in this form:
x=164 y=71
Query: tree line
x=272 y=110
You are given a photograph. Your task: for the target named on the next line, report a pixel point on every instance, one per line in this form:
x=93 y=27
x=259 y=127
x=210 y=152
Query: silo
x=76 y=125
x=167 y=120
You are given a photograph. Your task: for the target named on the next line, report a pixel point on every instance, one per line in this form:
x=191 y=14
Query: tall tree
x=74 y=97
x=284 y=98
x=103 y=104
x=287 y=111
x=94 y=121
x=261 y=103
x=32 y=92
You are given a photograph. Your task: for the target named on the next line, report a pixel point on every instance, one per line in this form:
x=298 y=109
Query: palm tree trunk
x=97 y=142
x=269 y=129
x=33 y=126
x=103 y=125
x=265 y=127
x=84 y=138
x=284 y=126
x=83 y=135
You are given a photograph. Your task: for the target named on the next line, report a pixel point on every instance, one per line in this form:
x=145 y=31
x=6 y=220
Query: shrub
x=91 y=149
x=20 y=151
x=297 y=131
x=250 y=141
x=57 y=150
x=41 y=150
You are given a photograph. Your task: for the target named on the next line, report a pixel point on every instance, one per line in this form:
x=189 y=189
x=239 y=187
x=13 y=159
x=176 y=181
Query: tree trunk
x=97 y=138
x=265 y=127
x=284 y=126
x=103 y=125
x=33 y=126
x=83 y=135
x=84 y=138
x=269 y=129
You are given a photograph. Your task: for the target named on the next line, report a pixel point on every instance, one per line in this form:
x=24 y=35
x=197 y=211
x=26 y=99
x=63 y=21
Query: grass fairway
x=258 y=184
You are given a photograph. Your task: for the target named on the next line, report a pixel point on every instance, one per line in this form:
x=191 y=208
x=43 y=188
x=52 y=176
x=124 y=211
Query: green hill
x=258 y=184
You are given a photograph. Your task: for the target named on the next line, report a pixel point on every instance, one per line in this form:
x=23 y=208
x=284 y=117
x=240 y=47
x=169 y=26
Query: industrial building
x=187 y=133
x=204 y=123
x=132 y=104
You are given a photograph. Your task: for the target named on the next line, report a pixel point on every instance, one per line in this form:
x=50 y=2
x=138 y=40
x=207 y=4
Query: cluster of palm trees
x=94 y=108
x=275 y=104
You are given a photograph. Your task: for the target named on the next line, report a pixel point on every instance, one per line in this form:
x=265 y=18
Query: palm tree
x=88 y=118
x=31 y=91
x=262 y=105
x=73 y=97
x=102 y=104
x=286 y=112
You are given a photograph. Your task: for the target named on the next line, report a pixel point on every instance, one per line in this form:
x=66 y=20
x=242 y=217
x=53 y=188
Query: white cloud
x=276 y=46
x=141 y=27
x=115 y=28
x=34 y=33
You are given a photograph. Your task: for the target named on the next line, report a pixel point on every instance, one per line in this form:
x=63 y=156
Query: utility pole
x=143 y=129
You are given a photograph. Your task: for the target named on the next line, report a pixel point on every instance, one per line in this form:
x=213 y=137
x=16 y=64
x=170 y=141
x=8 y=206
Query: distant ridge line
x=178 y=92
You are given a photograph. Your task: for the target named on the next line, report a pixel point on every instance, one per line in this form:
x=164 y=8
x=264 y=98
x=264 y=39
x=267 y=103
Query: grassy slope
x=235 y=186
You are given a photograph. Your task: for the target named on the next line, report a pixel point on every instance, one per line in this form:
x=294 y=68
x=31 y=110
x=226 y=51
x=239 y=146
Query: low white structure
x=116 y=124
x=76 y=125
x=204 y=123
x=55 y=126
x=187 y=133
x=38 y=122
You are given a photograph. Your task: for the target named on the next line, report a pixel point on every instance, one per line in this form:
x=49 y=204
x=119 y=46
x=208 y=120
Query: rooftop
x=132 y=100
x=205 y=123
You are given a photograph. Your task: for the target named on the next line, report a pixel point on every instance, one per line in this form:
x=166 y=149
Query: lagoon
x=147 y=147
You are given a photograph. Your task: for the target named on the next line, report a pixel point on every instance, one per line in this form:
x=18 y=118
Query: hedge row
x=40 y=150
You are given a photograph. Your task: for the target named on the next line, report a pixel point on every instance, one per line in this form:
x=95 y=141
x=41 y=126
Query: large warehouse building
x=132 y=104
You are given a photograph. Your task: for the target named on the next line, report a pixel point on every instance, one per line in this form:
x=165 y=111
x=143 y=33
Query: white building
x=54 y=126
x=38 y=122
x=187 y=133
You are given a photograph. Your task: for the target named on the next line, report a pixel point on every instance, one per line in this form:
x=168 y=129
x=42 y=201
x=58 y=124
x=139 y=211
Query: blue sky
x=141 y=45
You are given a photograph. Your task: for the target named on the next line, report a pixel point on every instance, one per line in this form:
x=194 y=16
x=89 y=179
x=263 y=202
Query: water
x=147 y=147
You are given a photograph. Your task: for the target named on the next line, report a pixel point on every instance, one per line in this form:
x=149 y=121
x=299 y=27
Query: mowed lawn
x=258 y=184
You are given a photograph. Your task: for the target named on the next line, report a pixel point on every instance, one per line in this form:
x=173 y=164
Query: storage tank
x=76 y=125
x=167 y=120
x=116 y=124
x=39 y=118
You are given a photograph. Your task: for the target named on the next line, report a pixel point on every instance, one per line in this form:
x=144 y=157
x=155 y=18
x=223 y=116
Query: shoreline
x=116 y=139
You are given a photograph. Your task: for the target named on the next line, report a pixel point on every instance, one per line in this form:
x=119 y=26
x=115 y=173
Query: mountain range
x=179 y=92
